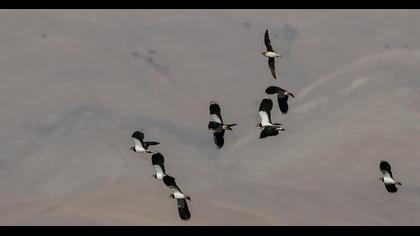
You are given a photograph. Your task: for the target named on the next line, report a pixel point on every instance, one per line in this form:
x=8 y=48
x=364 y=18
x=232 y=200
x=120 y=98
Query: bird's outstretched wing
x=283 y=105
x=273 y=90
x=138 y=135
x=150 y=143
x=158 y=160
x=266 y=106
x=218 y=139
x=215 y=113
x=268 y=131
x=138 y=138
x=184 y=212
x=391 y=188
x=267 y=42
x=170 y=182
x=271 y=65
x=385 y=168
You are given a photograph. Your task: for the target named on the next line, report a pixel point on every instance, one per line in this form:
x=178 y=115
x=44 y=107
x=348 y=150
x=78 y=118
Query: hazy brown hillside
x=76 y=83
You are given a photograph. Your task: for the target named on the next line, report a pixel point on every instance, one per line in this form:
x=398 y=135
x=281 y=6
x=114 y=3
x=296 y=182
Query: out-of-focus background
x=75 y=84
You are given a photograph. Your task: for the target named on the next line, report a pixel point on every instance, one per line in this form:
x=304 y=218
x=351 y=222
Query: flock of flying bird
x=267 y=127
x=218 y=127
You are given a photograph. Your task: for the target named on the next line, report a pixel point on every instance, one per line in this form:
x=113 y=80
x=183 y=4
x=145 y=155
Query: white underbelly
x=264 y=119
x=179 y=195
x=139 y=149
x=271 y=54
x=159 y=175
x=388 y=180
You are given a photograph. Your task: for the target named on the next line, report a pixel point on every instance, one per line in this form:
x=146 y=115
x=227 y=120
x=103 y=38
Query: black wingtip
x=138 y=135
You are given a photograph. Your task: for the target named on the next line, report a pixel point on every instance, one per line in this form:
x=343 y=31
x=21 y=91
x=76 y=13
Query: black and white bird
x=216 y=124
x=282 y=97
x=387 y=179
x=182 y=205
x=270 y=53
x=139 y=144
x=268 y=128
x=158 y=163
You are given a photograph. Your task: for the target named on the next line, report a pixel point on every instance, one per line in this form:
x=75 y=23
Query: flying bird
x=389 y=181
x=270 y=53
x=177 y=194
x=216 y=124
x=158 y=164
x=282 y=97
x=268 y=128
x=139 y=144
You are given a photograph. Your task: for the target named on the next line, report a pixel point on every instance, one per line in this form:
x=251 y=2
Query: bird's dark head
x=132 y=149
x=263 y=53
x=188 y=197
x=259 y=125
x=381 y=179
x=172 y=196
x=154 y=176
